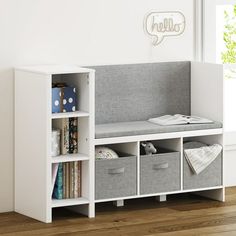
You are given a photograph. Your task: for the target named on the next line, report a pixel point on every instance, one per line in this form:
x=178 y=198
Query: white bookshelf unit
x=33 y=125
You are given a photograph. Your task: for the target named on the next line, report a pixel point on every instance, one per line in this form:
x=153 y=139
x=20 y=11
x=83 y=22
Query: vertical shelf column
x=91 y=81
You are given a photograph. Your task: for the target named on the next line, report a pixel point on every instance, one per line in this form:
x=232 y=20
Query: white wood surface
x=119 y=203
x=82 y=83
x=207 y=86
x=217 y=194
x=54 y=69
x=32 y=145
x=128 y=147
x=70 y=114
x=161 y=136
x=161 y=198
x=181 y=163
x=138 y=167
x=91 y=174
x=69 y=202
x=158 y=194
x=70 y=158
x=230 y=164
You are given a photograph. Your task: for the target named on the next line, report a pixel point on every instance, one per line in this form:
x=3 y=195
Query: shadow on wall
x=6 y=137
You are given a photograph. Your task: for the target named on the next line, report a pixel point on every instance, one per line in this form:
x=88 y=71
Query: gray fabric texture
x=116 y=177
x=210 y=177
x=156 y=180
x=145 y=127
x=141 y=91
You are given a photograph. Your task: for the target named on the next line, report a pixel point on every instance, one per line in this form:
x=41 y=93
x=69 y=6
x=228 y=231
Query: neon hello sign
x=159 y=25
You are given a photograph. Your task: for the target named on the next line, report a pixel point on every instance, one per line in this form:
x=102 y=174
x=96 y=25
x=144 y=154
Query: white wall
x=85 y=32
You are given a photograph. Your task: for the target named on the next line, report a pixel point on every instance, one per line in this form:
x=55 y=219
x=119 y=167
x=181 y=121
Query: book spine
x=54 y=174
x=58 y=189
x=76 y=178
x=73 y=135
x=71 y=180
x=65 y=136
x=79 y=178
x=67 y=180
x=64 y=180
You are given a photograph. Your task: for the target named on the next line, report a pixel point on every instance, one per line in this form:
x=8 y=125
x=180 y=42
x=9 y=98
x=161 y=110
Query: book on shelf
x=58 y=187
x=63 y=125
x=64 y=180
x=54 y=173
x=77 y=179
x=73 y=135
x=67 y=186
x=68 y=180
x=71 y=177
x=69 y=134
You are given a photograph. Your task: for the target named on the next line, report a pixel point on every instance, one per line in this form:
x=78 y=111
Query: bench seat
x=144 y=127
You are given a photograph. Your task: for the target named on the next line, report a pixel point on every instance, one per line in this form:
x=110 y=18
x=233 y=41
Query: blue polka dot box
x=64 y=99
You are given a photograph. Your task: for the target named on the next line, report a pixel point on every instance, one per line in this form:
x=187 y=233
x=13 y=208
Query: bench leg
x=119 y=203
x=161 y=198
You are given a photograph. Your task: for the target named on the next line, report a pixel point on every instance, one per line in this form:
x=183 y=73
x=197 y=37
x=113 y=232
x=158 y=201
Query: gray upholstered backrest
x=141 y=91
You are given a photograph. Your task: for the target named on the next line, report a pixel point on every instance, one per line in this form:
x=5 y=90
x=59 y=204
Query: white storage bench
x=114 y=104
x=126 y=96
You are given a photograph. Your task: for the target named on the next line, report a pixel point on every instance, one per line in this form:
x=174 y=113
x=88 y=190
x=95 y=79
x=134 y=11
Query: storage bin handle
x=116 y=171
x=160 y=166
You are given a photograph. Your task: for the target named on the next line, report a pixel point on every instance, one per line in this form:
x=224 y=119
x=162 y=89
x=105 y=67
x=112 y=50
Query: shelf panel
x=70 y=114
x=70 y=158
x=69 y=202
x=55 y=69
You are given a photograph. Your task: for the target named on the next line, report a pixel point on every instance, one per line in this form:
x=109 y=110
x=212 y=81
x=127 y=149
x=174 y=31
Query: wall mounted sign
x=159 y=25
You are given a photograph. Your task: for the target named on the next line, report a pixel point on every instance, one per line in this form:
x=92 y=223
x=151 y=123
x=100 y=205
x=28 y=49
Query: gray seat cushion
x=145 y=127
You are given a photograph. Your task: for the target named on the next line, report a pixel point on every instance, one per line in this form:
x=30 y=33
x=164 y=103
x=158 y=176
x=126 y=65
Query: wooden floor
x=180 y=215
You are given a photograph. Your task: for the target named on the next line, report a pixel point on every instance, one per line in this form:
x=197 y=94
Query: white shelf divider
x=70 y=114
x=70 y=158
x=69 y=202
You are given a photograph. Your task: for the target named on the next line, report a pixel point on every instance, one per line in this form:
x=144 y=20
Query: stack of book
x=69 y=134
x=67 y=180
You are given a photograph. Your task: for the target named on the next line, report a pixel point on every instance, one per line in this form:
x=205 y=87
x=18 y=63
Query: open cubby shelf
x=170 y=152
x=69 y=202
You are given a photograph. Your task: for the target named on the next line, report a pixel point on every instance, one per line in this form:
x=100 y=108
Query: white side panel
x=230 y=163
x=217 y=194
x=207 y=90
x=32 y=145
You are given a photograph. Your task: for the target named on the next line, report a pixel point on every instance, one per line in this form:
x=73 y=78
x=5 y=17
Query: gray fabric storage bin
x=116 y=177
x=209 y=177
x=160 y=172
